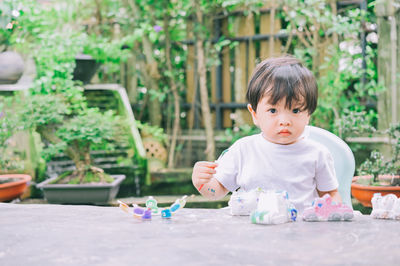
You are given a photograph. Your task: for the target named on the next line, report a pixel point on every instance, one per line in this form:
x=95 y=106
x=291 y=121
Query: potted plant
x=68 y=126
x=56 y=108
x=377 y=175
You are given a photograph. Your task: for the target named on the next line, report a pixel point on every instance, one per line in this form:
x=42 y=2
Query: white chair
x=342 y=156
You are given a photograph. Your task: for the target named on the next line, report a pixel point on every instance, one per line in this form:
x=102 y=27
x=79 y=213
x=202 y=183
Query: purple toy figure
x=323 y=209
x=147 y=214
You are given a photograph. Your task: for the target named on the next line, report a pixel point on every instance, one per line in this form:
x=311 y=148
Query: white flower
x=343 y=46
x=372 y=37
x=15 y=13
x=357 y=62
x=355 y=49
x=143 y=90
x=371 y=26
x=343 y=64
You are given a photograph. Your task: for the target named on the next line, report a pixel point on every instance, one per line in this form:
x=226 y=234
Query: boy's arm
x=204 y=181
x=333 y=193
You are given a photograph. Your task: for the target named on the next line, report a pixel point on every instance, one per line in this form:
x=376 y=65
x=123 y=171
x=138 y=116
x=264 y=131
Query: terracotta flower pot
x=364 y=193
x=14 y=188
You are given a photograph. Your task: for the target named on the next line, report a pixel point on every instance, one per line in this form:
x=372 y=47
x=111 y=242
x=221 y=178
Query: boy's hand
x=203 y=172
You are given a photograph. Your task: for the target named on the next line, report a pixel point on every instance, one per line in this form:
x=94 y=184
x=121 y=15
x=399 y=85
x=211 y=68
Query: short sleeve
x=325 y=175
x=228 y=167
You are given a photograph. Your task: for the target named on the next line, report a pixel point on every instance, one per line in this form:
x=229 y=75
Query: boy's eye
x=296 y=110
x=272 y=110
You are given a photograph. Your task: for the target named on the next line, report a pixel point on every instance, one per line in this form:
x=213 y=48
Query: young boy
x=282 y=94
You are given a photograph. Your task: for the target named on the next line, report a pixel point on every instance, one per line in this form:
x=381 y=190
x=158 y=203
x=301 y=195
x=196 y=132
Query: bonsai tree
x=55 y=106
x=68 y=126
x=377 y=166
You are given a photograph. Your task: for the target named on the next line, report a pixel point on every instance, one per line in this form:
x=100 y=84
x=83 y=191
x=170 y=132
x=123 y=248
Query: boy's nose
x=284 y=122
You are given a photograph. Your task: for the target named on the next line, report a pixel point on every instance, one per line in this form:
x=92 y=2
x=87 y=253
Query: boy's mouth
x=284 y=132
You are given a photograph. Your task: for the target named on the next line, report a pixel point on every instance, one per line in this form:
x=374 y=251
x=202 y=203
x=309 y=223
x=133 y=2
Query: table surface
x=46 y=234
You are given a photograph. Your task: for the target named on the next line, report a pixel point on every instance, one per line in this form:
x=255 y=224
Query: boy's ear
x=253 y=114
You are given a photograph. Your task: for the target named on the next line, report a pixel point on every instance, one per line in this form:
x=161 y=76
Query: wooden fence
x=257 y=38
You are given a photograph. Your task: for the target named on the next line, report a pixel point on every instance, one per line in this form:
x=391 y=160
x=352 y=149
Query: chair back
x=342 y=156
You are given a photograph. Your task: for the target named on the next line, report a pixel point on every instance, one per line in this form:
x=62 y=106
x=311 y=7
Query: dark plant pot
x=85 y=68
x=11 y=67
x=14 y=188
x=99 y=194
x=364 y=193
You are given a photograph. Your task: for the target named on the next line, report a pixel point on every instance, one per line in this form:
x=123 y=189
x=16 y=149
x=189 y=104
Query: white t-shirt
x=299 y=168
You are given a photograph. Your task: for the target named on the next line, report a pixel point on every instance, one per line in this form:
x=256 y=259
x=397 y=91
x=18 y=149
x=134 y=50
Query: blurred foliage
x=10 y=158
x=55 y=106
x=133 y=33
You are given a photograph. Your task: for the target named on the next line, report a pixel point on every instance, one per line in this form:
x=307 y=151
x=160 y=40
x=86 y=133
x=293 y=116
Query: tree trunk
x=201 y=68
x=173 y=86
x=150 y=70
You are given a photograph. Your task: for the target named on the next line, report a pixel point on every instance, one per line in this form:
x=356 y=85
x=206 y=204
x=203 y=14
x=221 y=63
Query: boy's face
x=278 y=124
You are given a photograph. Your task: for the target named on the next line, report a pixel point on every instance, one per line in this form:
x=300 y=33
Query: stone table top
x=46 y=234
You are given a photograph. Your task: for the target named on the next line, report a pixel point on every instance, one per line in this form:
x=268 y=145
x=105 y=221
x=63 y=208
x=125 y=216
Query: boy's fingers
x=204 y=176
x=207 y=164
x=207 y=170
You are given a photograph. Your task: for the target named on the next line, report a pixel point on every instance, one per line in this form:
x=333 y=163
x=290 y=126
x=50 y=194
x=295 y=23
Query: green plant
x=10 y=158
x=154 y=131
x=55 y=105
x=328 y=41
x=376 y=165
x=236 y=133
x=8 y=23
x=355 y=123
x=70 y=127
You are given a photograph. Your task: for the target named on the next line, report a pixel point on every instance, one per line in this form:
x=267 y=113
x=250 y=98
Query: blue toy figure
x=166 y=213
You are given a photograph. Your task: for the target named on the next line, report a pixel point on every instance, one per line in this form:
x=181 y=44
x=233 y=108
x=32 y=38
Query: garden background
x=183 y=67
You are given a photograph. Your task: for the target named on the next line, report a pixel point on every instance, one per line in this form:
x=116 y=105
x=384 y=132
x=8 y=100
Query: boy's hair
x=283 y=78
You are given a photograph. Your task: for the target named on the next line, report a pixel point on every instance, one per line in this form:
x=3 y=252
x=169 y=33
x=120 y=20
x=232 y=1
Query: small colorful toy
x=145 y=213
x=385 y=207
x=141 y=213
x=152 y=204
x=178 y=204
x=244 y=202
x=123 y=206
x=324 y=209
x=166 y=213
x=273 y=207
